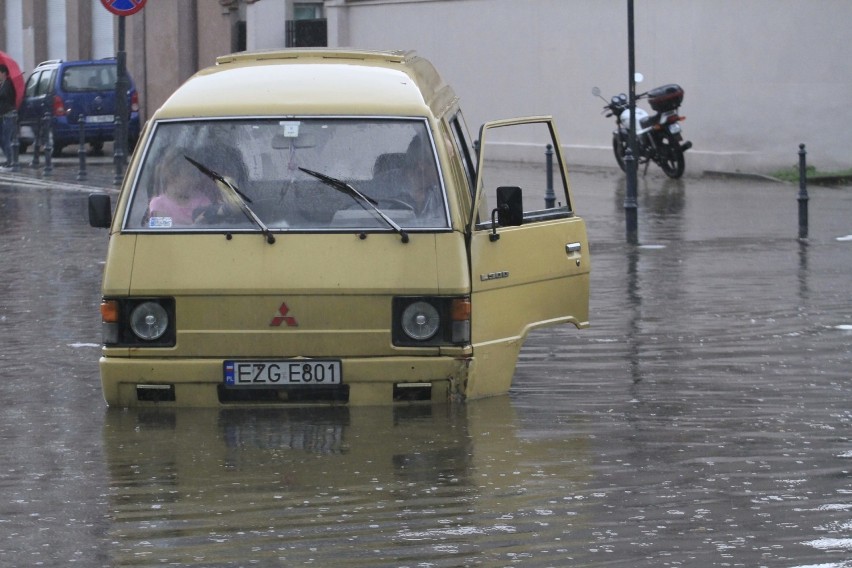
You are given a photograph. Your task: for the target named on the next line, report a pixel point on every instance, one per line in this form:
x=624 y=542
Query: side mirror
x=509 y=211
x=100 y=210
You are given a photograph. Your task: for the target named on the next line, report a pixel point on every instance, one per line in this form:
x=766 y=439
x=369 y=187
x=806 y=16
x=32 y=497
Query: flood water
x=705 y=419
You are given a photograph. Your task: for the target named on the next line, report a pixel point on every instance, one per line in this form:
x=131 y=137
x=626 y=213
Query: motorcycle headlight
x=149 y=321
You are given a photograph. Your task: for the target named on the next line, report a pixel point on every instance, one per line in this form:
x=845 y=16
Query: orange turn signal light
x=109 y=311
x=460 y=309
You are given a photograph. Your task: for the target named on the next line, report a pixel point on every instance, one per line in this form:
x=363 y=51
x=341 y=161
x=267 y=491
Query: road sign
x=123 y=7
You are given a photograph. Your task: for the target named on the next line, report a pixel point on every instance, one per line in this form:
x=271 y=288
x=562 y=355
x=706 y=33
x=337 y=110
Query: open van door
x=529 y=254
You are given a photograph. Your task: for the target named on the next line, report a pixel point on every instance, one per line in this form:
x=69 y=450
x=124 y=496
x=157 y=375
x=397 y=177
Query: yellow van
x=318 y=226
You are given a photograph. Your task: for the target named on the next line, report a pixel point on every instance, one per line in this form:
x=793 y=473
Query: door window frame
x=533 y=215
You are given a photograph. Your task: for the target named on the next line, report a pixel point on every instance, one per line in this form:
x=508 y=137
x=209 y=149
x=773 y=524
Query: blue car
x=71 y=91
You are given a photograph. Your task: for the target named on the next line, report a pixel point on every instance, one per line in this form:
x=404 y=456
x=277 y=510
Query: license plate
x=282 y=373
x=100 y=118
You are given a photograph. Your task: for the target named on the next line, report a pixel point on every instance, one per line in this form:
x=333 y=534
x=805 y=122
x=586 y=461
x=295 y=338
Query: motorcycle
x=658 y=137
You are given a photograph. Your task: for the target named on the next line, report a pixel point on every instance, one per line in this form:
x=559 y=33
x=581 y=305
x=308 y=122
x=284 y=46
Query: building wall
x=13 y=29
x=78 y=31
x=167 y=42
x=266 y=21
x=761 y=76
x=169 y=53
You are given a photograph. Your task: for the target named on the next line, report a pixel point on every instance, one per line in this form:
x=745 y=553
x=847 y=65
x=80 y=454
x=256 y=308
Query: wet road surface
x=705 y=419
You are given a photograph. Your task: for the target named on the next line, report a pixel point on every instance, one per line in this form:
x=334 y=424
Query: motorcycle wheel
x=672 y=160
x=618 y=148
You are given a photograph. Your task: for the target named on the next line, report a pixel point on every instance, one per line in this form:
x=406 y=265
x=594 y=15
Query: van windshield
x=204 y=175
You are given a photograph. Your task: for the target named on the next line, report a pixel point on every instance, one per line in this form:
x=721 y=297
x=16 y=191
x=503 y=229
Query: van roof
x=312 y=81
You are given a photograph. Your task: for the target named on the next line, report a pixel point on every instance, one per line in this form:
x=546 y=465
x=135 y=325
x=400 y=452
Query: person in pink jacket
x=182 y=199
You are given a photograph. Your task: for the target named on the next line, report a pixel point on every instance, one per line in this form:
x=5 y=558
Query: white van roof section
x=312 y=81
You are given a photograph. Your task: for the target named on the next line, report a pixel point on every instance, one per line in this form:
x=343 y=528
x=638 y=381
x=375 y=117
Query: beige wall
x=267 y=21
x=79 y=29
x=760 y=76
x=169 y=41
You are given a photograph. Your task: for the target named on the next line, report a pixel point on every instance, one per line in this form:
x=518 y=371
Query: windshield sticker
x=159 y=223
x=291 y=129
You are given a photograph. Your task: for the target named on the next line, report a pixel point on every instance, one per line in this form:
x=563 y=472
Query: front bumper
x=130 y=382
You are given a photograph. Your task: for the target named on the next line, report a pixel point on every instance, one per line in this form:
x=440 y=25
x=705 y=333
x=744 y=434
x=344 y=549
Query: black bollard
x=119 y=162
x=803 y=194
x=14 y=143
x=37 y=142
x=549 y=196
x=81 y=152
x=48 y=146
x=631 y=203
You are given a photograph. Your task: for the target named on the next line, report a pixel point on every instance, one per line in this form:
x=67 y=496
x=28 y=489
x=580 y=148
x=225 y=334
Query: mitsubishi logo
x=283 y=317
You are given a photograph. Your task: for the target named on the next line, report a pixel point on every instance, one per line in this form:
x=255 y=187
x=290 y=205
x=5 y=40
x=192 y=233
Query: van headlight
x=138 y=322
x=431 y=321
x=149 y=321
x=420 y=321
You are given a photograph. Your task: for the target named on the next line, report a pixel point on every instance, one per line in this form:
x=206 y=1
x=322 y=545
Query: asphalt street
x=702 y=420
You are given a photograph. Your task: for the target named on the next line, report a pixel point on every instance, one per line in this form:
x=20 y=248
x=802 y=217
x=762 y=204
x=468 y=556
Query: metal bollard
x=631 y=203
x=81 y=152
x=549 y=196
x=14 y=140
x=48 y=146
x=37 y=140
x=803 y=194
x=119 y=163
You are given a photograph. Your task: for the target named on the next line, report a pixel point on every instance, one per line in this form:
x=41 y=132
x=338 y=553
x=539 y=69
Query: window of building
x=308 y=27
x=307 y=11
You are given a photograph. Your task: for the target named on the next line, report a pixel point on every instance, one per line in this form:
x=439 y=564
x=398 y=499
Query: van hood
x=305 y=295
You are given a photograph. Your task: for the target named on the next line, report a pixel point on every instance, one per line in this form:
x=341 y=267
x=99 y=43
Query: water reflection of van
x=448 y=485
x=317 y=226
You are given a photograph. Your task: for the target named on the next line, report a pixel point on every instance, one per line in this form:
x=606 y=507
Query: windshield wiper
x=242 y=199
x=359 y=198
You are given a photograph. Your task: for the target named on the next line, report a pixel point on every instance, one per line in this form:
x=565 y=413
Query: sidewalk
x=99 y=173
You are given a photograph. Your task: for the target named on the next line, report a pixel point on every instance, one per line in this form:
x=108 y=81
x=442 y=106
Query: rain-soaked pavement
x=705 y=419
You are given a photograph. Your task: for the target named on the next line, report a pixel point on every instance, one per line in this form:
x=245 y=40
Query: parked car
x=68 y=90
x=324 y=231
